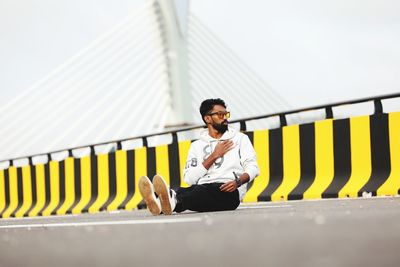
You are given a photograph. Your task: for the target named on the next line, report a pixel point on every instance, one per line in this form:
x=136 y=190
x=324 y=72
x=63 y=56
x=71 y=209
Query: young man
x=218 y=167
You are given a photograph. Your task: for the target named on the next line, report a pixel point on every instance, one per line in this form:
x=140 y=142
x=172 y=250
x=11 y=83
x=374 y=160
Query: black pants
x=206 y=197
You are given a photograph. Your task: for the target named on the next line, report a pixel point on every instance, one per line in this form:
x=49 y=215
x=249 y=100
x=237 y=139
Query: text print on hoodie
x=241 y=159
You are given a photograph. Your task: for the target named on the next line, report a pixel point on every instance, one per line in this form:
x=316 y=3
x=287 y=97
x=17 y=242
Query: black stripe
x=275 y=164
x=112 y=180
x=7 y=190
x=250 y=135
x=131 y=178
x=34 y=190
x=61 y=171
x=151 y=162
x=342 y=158
x=20 y=191
x=47 y=187
x=77 y=184
x=307 y=161
x=174 y=167
x=380 y=153
x=93 y=182
x=151 y=168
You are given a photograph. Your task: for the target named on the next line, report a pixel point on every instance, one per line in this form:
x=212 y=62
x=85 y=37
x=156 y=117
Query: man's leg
x=202 y=198
x=206 y=197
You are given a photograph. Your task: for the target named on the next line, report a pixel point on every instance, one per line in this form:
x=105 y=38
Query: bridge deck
x=336 y=232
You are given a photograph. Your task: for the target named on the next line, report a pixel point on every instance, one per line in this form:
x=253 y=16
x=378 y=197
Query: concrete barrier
x=328 y=159
x=324 y=159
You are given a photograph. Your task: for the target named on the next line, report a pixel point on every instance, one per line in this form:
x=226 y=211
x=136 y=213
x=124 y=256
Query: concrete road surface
x=353 y=232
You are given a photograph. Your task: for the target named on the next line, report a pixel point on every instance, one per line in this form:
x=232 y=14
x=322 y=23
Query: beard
x=221 y=127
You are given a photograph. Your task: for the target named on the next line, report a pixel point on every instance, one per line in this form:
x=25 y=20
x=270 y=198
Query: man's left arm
x=248 y=159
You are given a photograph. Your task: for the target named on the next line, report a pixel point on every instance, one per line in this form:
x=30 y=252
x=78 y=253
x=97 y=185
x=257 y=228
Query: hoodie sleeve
x=248 y=158
x=194 y=168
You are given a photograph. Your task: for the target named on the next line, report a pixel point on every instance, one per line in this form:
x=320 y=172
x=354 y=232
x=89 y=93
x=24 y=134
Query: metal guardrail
x=282 y=117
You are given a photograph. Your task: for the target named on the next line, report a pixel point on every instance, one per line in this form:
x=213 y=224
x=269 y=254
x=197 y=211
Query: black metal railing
x=282 y=117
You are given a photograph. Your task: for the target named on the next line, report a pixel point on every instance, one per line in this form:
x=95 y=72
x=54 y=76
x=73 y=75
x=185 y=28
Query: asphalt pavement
x=345 y=232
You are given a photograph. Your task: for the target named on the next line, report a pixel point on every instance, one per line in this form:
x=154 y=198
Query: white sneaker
x=146 y=189
x=167 y=196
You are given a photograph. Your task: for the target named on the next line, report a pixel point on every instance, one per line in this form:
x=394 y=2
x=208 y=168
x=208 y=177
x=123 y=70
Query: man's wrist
x=210 y=161
x=213 y=157
x=237 y=180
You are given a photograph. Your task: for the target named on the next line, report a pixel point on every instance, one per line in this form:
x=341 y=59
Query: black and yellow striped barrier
x=324 y=159
x=328 y=159
x=89 y=184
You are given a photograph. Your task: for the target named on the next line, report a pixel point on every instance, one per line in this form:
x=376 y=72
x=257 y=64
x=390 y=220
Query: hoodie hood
x=229 y=134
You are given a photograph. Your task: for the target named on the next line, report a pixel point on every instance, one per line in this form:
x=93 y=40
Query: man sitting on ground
x=218 y=168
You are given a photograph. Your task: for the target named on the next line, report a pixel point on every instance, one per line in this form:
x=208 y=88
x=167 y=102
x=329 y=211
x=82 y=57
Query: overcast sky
x=309 y=51
x=313 y=51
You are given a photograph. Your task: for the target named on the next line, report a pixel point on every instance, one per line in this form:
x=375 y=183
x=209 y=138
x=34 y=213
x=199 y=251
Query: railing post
x=328 y=112
x=145 y=143
x=378 y=106
x=92 y=151
x=282 y=119
x=243 y=126
x=174 y=137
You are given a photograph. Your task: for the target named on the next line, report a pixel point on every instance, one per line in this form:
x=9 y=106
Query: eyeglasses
x=221 y=114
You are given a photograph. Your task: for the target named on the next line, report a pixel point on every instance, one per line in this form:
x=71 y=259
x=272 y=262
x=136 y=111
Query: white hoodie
x=241 y=159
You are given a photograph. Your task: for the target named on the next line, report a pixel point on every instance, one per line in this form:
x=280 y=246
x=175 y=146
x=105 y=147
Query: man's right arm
x=220 y=150
x=193 y=170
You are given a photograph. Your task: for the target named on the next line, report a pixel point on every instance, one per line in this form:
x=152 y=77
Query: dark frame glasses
x=221 y=114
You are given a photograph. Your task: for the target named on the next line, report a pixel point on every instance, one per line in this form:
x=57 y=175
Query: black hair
x=208 y=104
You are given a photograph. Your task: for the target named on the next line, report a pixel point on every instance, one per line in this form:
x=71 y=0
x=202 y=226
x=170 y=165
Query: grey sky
x=310 y=51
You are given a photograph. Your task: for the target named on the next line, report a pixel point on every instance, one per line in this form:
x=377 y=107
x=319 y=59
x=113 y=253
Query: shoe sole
x=161 y=188
x=147 y=193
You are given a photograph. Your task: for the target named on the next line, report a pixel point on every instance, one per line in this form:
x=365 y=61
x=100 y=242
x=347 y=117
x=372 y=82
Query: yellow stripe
x=392 y=184
x=2 y=191
x=13 y=192
x=140 y=170
x=85 y=185
x=162 y=161
x=69 y=186
x=40 y=190
x=54 y=187
x=27 y=191
x=261 y=146
x=103 y=183
x=360 y=156
x=291 y=162
x=324 y=159
x=122 y=180
x=183 y=154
